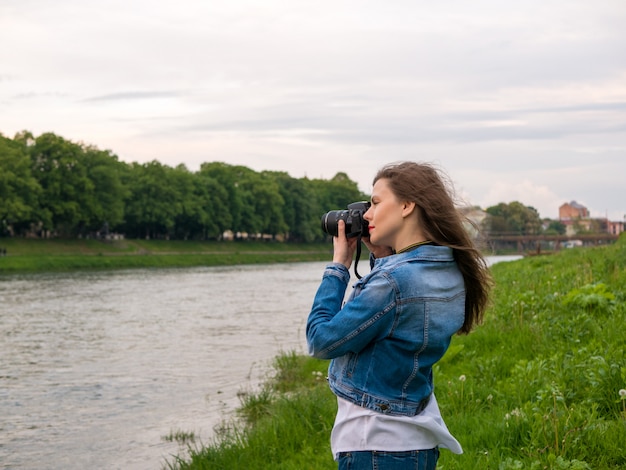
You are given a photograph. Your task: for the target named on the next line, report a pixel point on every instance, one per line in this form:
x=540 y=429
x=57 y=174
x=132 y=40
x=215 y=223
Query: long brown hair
x=430 y=189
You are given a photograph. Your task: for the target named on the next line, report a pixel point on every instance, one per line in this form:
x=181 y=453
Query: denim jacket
x=397 y=322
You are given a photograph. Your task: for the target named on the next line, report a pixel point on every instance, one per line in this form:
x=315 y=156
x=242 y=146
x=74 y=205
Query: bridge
x=535 y=244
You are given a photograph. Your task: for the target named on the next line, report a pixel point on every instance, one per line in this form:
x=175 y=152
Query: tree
x=254 y=199
x=336 y=193
x=514 y=218
x=67 y=198
x=109 y=192
x=203 y=208
x=262 y=196
x=228 y=177
x=214 y=199
x=19 y=190
x=153 y=202
x=556 y=227
x=299 y=209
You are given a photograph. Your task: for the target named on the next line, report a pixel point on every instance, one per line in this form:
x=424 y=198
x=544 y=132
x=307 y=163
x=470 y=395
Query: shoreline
x=27 y=256
x=58 y=255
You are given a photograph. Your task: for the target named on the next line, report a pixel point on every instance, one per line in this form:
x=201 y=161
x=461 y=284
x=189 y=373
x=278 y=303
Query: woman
x=427 y=283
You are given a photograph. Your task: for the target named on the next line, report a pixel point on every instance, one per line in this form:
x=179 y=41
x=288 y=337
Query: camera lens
x=330 y=222
x=356 y=225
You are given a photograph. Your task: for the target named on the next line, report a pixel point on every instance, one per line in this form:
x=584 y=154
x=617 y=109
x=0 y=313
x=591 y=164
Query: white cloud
x=530 y=194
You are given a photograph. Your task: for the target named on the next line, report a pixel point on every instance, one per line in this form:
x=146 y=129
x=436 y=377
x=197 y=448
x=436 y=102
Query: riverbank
x=57 y=255
x=19 y=255
x=542 y=384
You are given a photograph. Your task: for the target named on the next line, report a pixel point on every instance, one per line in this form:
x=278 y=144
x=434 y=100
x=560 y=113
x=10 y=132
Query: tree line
x=51 y=186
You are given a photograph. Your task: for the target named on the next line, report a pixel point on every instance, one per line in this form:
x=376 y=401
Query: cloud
x=498 y=94
x=528 y=193
x=133 y=95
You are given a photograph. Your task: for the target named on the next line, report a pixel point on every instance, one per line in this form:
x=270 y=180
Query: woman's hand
x=378 y=251
x=343 y=248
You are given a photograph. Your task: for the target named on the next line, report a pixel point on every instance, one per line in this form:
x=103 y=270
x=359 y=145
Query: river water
x=97 y=368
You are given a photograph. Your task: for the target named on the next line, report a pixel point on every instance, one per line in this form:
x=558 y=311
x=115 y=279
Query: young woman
x=428 y=282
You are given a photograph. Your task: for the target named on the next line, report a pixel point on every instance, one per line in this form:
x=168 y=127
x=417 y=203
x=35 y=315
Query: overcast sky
x=517 y=101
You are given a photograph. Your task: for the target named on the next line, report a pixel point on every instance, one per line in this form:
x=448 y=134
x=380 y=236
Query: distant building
x=576 y=218
x=615 y=228
x=573 y=210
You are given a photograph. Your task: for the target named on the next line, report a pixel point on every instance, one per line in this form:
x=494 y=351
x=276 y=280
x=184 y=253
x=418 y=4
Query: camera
x=356 y=225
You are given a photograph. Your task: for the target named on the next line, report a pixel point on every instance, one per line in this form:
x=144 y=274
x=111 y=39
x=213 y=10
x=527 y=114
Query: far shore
x=57 y=255
x=21 y=255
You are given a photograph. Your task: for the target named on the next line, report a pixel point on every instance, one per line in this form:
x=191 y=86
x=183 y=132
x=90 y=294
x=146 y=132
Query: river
x=97 y=368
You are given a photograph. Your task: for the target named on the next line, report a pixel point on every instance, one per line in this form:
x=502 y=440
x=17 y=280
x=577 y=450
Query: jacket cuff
x=337 y=270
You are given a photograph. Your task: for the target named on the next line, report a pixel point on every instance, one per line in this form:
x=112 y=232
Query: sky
x=515 y=101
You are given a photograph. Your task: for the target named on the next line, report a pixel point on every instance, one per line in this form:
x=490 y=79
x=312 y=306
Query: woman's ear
x=408 y=208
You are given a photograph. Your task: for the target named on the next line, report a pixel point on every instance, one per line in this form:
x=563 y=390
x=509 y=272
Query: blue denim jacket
x=396 y=324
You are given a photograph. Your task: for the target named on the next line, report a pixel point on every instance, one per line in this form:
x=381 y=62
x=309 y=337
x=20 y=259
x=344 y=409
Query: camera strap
x=358 y=255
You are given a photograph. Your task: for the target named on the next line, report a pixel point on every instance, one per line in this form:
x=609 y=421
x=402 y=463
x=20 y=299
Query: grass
x=25 y=255
x=540 y=385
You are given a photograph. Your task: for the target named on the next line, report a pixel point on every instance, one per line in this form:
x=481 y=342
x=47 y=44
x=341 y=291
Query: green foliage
x=513 y=218
x=545 y=369
x=541 y=385
x=594 y=297
x=68 y=192
x=19 y=190
x=556 y=227
x=109 y=193
x=50 y=186
x=301 y=210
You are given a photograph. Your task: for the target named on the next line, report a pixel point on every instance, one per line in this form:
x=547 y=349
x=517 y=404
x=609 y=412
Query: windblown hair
x=430 y=189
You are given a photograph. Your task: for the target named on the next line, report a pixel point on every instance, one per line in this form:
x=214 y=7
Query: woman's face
x=385 y=216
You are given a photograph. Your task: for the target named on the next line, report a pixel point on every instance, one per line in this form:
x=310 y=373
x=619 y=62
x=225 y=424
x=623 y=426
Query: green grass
x=56 y=255
x=536 y=387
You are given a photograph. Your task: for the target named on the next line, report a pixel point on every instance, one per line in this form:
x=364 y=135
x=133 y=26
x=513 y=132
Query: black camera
x=356 y=225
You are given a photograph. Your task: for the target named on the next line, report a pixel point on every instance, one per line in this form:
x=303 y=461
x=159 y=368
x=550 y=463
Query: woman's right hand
x=343 y=248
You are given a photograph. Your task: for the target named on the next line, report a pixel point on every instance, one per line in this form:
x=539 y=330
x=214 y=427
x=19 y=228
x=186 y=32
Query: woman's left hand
x=378 y=251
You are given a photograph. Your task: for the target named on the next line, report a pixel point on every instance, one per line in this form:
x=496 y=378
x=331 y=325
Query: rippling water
x=96 y=368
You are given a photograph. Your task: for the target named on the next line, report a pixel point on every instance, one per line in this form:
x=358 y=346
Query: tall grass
x=539 y=386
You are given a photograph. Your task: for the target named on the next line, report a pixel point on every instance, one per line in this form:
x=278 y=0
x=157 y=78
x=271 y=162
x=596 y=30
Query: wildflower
x=462 y=378
x=517 y=413
x=622 y=394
